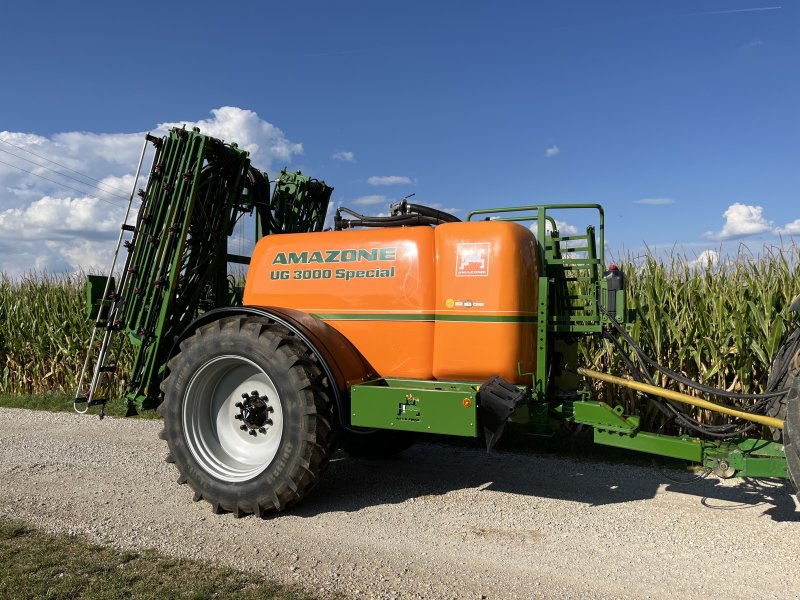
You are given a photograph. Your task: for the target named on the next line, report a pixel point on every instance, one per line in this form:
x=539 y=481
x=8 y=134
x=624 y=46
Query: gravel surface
x=436 y=522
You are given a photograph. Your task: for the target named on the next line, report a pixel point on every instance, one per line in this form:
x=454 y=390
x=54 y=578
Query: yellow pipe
x=678 y=397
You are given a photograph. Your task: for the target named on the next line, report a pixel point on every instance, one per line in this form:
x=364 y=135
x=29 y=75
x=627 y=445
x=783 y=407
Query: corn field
x=43 y=332
x=719 y=324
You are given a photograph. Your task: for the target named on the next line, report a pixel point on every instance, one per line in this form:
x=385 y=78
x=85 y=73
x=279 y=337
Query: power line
x=58 y=164
x=89 y=185
x=84 y=192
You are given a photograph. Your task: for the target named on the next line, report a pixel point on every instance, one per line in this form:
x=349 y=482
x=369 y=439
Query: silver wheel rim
x=212 y=431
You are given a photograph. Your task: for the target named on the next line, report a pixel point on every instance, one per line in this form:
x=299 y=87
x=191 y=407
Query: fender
x=340 y=360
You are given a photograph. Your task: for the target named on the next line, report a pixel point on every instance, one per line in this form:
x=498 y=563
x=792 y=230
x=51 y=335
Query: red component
x=612 y=267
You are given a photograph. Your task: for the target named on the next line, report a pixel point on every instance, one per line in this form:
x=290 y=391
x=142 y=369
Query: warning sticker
x=473 y=259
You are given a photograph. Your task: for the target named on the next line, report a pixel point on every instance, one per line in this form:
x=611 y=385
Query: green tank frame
x=571 y=295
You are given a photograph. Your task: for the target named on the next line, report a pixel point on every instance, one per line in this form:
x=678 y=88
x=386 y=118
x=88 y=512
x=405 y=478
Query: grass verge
x=61 y=402
x=39 y=565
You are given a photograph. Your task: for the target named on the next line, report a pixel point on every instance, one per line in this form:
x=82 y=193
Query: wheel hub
x=254 y=413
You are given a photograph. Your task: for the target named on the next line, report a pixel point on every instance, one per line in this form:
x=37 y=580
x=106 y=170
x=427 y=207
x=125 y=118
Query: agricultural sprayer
x=377 y=332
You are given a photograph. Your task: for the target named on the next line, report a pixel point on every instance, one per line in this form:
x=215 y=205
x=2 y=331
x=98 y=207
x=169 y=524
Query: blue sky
x=691 y=107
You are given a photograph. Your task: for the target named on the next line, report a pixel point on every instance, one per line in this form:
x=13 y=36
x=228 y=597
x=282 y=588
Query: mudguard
x=342 y=362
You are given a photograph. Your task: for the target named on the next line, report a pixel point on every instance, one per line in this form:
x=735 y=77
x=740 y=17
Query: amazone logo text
x=335 y=256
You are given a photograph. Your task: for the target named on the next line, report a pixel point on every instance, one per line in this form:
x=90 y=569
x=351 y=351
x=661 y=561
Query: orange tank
x=457 y=301
x=376 y=286
x=486 y=294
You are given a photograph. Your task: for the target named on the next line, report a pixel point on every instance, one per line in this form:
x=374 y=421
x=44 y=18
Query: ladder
x=107 y=312
x=198 y=189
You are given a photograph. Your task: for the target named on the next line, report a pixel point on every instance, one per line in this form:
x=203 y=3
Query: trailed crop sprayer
x=376 y=332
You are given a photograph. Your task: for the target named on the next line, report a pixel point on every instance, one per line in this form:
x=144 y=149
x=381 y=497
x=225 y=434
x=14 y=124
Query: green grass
x=62 y=402
x=39 y=565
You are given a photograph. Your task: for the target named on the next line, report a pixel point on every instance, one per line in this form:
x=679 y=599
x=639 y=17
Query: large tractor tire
x=248 y=416
x=785 y=374
x=374 y=444
x=784 y=371
x=791 y=432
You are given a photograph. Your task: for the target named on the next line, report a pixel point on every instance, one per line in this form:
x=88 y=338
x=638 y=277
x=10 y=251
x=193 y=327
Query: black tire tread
x=791 y=432
x=312 y=388
x=778 y=407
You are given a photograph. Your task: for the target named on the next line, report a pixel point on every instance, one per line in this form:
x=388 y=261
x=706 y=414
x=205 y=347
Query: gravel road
x=436 y=522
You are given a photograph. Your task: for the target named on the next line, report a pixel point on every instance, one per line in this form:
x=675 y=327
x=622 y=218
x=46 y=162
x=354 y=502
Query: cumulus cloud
x=705 y=260
x=59 y=217
x=344 y=156
x=792 y=228
x=563 y=227
x=654 y=201
x=741 y=220
x=390 y=180
x=370 y=200
x=263 y=140
x=552 y=151
x=53 y=217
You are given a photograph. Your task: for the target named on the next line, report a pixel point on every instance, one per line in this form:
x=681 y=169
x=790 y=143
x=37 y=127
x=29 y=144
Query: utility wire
x=60 y=165
x=89 y=185
x=84 y=192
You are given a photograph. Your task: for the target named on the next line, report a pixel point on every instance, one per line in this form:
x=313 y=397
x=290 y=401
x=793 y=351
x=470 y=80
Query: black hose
x=403 y=220
x=790 y=347
x=685 y=380
x=404 y=207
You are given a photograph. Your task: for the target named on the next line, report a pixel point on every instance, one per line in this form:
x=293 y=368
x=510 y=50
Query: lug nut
x=243 y=427
x=262 y=430
x=238 y=405
x=237 y=417
x=245 y=396
x=252 y=432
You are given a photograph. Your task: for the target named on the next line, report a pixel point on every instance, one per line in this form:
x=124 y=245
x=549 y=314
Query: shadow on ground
x=433 y=470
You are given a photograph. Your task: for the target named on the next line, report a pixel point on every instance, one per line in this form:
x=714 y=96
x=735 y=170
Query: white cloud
x=370 y=200
x=706 y=259
x=792 y=228
x=390 y=180
x=752 y=45
x=552 y=151
x=58 y=234
x=741 y=220
x=51 y=217
x=654 y=201
x=265 y=142
x=72 y=222
x=563 y=227
x=344 y=156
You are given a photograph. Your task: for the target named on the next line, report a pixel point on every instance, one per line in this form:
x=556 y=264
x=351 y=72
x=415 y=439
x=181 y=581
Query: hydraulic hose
x=684 y=398
x=685 y=380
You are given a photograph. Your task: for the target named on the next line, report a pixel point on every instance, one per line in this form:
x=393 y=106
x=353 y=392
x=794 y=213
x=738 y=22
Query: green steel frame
x=571 y=294
x=198 y=189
